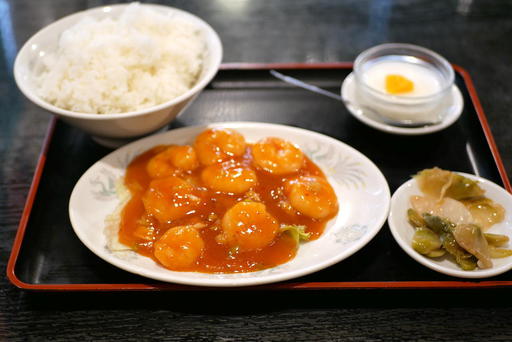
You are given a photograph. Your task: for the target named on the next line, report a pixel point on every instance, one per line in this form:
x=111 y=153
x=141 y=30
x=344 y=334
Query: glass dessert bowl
x=404 y=82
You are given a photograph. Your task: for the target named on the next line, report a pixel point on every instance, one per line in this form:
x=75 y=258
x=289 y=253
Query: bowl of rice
x=119 y=72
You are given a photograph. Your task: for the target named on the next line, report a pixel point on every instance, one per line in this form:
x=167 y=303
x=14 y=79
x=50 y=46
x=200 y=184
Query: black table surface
x=474 y=34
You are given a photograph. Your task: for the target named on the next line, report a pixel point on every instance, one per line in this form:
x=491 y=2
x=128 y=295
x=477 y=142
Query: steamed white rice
x=138 y=60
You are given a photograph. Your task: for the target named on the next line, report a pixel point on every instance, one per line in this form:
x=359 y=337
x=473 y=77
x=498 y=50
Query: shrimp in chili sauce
x=170 y=198
x=215 y=145
x=248 y=226
x=312 y=196
x=229 y=177
x=172 y=160
x=246 y=197
x=179 y=247
x=277 y=156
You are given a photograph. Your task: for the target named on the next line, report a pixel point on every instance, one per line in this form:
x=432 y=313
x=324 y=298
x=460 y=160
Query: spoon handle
x=306 y=86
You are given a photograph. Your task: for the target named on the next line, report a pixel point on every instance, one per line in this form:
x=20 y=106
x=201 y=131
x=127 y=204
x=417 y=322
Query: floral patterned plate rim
x=362 y=190
x=403 y=232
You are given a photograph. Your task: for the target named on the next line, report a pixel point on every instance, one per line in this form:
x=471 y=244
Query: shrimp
x=277 y=156
x=229 y=177
x=248 y=226
x=215 y=145
x=312 y=196
x=170 y=198
x=172 y=160
x=179 y=247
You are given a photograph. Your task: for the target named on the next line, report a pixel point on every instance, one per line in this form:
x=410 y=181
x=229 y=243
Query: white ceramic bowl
x=403 y=232
x=114 y=129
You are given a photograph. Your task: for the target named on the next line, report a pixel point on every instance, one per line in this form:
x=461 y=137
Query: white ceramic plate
x=403 y=232
x=362 y=191
x=454 y=110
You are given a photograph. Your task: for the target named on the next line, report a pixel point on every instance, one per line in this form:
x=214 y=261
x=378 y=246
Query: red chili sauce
x=140 y=230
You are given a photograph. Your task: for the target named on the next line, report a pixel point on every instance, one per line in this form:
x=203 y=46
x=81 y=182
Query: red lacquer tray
x=47 y=255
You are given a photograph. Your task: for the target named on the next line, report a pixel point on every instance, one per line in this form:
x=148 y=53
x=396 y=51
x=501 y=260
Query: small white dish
x=403 y=232
x=453 y=111
x=361 y=188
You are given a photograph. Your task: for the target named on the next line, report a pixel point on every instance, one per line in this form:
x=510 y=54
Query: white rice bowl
x=114 y=129
x=137 y=60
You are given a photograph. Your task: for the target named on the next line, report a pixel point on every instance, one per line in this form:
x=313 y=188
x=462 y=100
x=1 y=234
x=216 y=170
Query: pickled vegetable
x=425 y=242
x=438 y=224
x=499 y=252
x=448 y=208
x=471 y=238
x=415 y=219
x=484 y=211
x=440 y=183
x=465 y=260
x=445 y=230
x=454 y=212
x=496 y=240
x=436 y=253
x=452 y=218
x=463 y=188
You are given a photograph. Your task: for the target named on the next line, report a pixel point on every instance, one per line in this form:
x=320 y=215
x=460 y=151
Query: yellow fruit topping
x=398 y=84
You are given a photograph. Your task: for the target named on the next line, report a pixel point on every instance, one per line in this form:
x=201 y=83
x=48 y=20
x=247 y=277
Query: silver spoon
x=363 y=110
